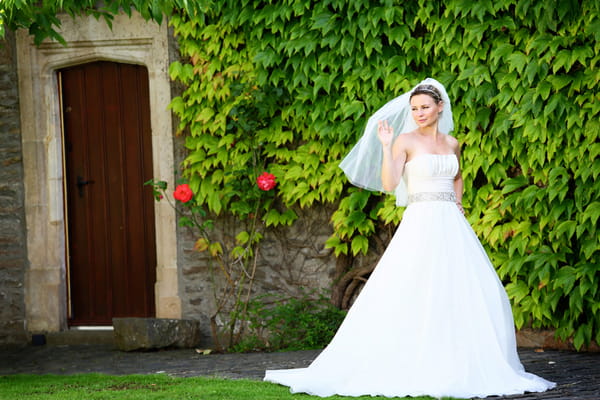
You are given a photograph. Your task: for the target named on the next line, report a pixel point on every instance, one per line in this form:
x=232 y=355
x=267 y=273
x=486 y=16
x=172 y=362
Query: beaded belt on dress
x=431 y=196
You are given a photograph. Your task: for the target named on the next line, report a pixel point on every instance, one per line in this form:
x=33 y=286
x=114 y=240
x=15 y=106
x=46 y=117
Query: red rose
x=266 y=181
x=183 y=193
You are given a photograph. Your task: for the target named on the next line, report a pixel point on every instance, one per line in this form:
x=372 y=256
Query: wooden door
x=108 y=157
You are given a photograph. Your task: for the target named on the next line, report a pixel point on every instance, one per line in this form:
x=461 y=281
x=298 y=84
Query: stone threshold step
x=78 y=336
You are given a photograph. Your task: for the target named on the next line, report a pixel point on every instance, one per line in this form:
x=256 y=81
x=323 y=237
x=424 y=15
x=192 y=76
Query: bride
x=433 y=318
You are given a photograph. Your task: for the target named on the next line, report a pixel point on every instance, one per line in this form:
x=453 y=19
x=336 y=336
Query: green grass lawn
x=144 y=387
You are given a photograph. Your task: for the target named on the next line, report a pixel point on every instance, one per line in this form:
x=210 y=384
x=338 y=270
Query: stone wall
x=290 y=261
x=13 y=252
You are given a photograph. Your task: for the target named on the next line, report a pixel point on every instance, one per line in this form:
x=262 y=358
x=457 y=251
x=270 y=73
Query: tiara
x=434 y=92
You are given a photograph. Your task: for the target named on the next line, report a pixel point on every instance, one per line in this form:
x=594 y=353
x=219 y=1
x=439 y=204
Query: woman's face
x=425 y=110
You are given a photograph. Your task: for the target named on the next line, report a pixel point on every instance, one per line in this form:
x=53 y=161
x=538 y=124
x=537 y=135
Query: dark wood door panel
x=108 y=156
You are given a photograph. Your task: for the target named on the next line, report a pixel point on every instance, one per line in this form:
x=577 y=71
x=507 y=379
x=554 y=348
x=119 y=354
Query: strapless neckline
x=428 y=155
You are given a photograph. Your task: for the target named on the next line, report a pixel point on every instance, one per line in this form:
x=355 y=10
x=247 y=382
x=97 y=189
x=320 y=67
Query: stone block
x=12 y=332
x=155 y=333
x=547 y=339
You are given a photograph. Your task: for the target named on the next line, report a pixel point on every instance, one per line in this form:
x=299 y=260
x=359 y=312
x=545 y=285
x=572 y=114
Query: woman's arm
x=394 y=157
x=458 y=181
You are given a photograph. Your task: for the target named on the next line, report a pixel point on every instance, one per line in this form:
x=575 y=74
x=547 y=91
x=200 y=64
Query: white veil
x=362 y=165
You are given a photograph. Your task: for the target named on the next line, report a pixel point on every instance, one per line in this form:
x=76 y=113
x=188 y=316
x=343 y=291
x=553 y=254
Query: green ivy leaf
x=360 y=244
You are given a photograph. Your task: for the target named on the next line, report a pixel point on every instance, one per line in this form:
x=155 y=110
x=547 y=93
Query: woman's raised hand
x=385 y=133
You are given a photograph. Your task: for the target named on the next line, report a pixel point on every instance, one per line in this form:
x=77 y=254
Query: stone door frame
x=131 y=40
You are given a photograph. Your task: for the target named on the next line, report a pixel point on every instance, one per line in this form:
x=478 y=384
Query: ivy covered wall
x=286 y=86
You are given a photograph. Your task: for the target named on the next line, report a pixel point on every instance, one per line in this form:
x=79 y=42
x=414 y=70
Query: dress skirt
x=433 y=319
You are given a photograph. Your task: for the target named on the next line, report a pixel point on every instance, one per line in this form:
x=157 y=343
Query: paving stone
x=577 y=374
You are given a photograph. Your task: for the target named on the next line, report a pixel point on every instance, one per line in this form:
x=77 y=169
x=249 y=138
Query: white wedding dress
x=433 y=318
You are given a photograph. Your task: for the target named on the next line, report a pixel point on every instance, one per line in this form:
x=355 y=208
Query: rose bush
x=235 y=259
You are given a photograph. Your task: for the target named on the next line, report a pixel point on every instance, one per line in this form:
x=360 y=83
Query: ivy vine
x=523 y=76
x=302 y=77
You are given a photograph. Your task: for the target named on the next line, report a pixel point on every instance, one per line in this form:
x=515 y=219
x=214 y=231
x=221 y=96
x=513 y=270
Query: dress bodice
x=432 y=173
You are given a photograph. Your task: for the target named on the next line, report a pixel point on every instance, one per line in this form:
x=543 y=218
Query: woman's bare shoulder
x=403 y=144
x=408 y=137
x=408 y=140
x=404 y=139
x=452 y=142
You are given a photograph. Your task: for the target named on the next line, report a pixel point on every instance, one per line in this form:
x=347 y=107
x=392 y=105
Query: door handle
x=81 y=183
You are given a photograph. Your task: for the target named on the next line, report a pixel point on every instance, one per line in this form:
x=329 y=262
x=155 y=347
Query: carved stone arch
x=131 y=40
